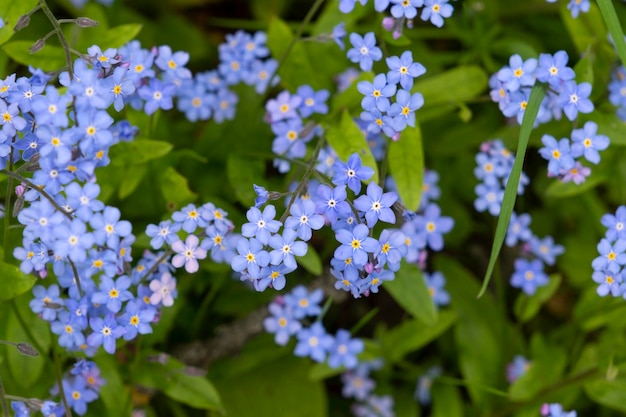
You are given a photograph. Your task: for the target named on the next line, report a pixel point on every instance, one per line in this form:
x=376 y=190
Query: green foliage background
x=575 y=339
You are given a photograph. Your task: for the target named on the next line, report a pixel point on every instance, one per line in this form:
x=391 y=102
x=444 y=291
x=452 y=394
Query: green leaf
x=510 y=191
x=133 y=174
x=610 y=394
x=526 y=307
x=411 y=335
x=585 y=30
x=560 y=189
x=119 y=35
x=311 y=261
x=13 y=282
x=484 y=339
x=454 y=86
x=447 y=401
x=278 y=388
x=409 y=289
x=115 y=396
x=546 y=368
x=406 y=164
x=242 y=173
x=615 y=29
x=138 y=151
x=173 y=379
x=175 y=189
x=346 y=138
x=26 y=370
x=296 y=67
x=50 y=58
x=11 y=11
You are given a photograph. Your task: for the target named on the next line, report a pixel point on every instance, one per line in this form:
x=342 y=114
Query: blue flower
x=251 y=257
x=376 y=205
x=346 y=6
x=405 y=8
x=518 y=73
x=304 y=218
x=303 y=303
x=374 y=280
x=587 y=142
x=377 y=123
x=286 y=248
x=137 y=318
x=339 y=32
x=284 y=106
x=105 y=332
x=435 y=283
x=432 y=226
x=165 y=232
x=261 y=225
x=608 y=282
x=356 y=244
x=528 y=275
x=517 y=368
x=435 y=11
x=574 y=98
x=553 y=69
x=615 y=224
x=545 y=249
x=157 y=95
x=557 y=154
x=577 y=6
x=403 y=70
x=282 y=323
x=376 y=93
x=78 y=394
x=314 y=342
x=518 y=230
x=47 y=301
x=312 y=101
x=612 y=256
x=331 y=202
x=403 y=110
x=364 y=50
x=352 y=173
x=108 y=228
x=392 y=249
x=113 y=293
x=345 y=350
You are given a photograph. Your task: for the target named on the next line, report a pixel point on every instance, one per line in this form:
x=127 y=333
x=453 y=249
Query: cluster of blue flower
x=617 y=91
x=288 y=315
x=358 y=385
x=404 y=11
x=512 y=84
x=608 y=265
x=379 y=113
x=561 y=155
x=494 y=166
x=286 y=114
x=81 y=387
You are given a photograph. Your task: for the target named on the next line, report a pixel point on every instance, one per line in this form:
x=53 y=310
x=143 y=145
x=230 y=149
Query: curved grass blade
x=612 y=23
x=510 y=192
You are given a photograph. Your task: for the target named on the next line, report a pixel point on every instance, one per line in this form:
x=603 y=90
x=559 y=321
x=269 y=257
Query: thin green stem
x=59 y=377
x=296 y=38
x=156 y=264
x=615 y=29
x=305 y=178
x=3 y=398
x=57 y=26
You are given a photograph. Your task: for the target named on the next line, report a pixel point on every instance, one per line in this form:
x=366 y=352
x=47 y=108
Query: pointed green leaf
x=242 y=173
x=406 y=164
x=560 y=189
x=311 y=261
x=138 y=151
x=13 y=282
x=411 y=335
x=409 y=289
x=11 y=10
x=456 y=85
x=50 y=58
x=447 y=401
x=175 y=189
x=615 y=29
x=510 y=191
x=346 y=138
x=175 y=381
x=133 y=175
x=610 y=394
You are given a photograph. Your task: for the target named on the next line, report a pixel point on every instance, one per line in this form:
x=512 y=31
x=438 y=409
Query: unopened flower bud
x=26 y=349
x=37 y=46
x=274 y=195
x=22 y=22
x=85 y=22
x=388 y=23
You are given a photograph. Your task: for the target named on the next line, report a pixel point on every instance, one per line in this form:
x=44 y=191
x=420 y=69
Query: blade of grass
x=510 y=192
x=612 y=23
